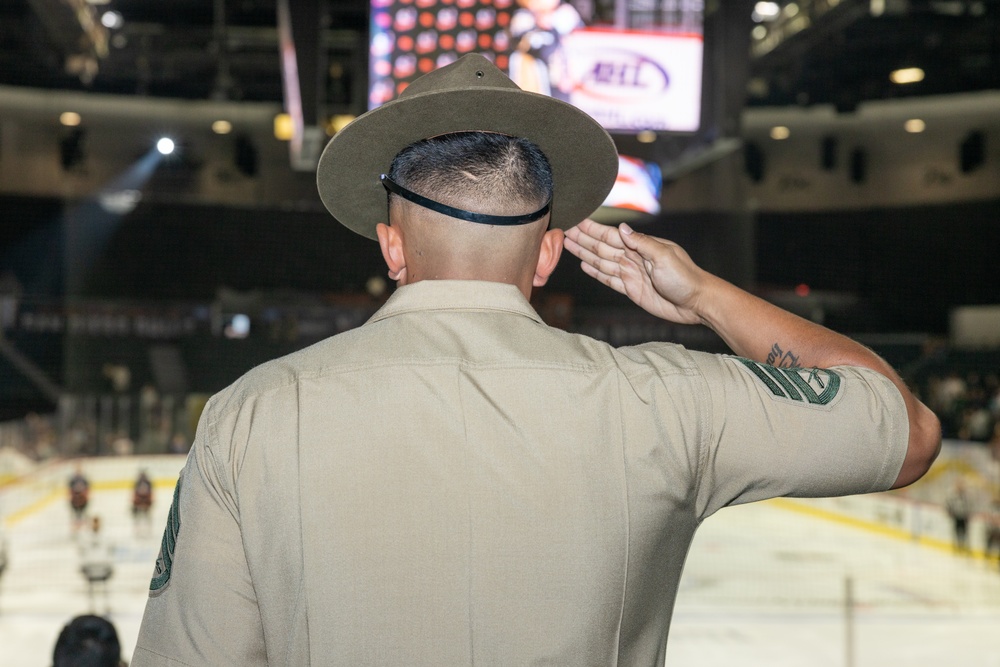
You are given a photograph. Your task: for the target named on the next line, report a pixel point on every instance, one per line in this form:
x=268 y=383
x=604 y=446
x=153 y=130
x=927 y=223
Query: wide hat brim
x=470 y=94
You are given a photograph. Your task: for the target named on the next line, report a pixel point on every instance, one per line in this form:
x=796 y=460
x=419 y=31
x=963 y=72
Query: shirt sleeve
x=802 y=432
x=202 y=609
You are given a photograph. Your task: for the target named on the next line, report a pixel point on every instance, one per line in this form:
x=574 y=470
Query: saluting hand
x=656 y=274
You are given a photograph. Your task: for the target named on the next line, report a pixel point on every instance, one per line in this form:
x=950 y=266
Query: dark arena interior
x=843 y=163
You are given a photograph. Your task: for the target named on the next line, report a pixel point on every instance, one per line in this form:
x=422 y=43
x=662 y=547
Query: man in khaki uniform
x=455 y=482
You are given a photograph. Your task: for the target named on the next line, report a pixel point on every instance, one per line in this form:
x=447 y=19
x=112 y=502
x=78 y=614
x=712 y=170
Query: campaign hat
x=470 y=94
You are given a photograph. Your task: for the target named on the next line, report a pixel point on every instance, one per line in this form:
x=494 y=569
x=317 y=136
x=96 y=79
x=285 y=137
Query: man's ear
x=391 y=243
x=548 y=256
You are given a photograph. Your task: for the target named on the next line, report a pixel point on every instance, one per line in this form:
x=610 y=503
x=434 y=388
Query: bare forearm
x=758 y=330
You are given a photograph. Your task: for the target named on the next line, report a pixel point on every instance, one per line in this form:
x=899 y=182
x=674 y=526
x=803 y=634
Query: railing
x=103 y=425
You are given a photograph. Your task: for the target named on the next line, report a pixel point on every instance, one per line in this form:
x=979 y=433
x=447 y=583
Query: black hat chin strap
x=452 y=212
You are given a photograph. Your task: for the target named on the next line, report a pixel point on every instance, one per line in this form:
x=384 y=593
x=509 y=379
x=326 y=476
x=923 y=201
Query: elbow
x=923 y=446
x=930 y=445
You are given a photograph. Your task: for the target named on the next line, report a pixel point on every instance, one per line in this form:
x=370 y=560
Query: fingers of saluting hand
x=593 y=265
x=601 y=252
x=611 y=277
x=594 y=253
x=593 y=242
x=590 y=232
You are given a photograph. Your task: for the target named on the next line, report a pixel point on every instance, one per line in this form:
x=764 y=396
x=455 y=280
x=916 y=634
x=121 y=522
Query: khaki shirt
x=456 y=483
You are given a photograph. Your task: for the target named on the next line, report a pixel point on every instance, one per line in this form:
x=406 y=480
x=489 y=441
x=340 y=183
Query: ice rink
x=765 y=585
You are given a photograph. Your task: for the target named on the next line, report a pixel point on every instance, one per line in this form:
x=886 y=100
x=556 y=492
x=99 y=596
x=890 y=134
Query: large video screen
x=633 y=65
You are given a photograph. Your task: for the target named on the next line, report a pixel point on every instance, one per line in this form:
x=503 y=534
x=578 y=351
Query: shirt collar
x=456 y=295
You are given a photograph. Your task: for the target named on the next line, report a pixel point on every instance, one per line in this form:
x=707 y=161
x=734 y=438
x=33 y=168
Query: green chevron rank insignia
x=815 y=386
x=165 y=559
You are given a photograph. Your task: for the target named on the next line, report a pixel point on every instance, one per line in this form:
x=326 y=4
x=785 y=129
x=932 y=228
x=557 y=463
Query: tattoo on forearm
x=782 y=358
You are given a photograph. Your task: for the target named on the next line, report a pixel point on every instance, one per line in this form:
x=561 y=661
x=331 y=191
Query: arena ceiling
x=813 y=52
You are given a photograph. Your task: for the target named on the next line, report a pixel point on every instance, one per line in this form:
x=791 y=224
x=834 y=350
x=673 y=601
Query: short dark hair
x=87 y=641
x=505 y=175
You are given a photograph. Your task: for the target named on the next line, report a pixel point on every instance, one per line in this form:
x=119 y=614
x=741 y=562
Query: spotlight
x=283 y=128
x=766 y=11
x=112 y=20
x=165 y=146
x=69 y=118
x=238 y=326
x=907 y=75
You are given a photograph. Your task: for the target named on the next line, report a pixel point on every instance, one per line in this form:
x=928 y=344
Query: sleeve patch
x=165 y=559
x=816 y=386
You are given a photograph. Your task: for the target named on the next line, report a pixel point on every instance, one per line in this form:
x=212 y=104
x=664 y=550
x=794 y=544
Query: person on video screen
x=538 y=62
